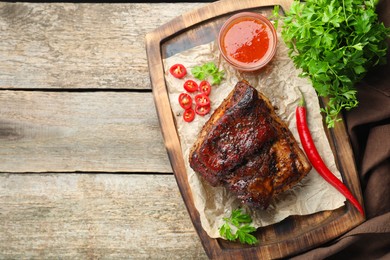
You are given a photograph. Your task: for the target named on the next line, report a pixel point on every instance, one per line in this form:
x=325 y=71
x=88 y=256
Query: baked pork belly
x=247 y=148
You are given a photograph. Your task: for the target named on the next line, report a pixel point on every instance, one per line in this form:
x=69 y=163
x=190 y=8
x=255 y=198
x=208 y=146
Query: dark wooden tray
x=290 y=236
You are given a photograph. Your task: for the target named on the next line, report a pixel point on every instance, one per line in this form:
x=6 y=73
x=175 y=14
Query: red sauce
x=246 y=40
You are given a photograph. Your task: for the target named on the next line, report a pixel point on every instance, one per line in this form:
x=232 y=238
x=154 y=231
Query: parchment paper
x=278 y=81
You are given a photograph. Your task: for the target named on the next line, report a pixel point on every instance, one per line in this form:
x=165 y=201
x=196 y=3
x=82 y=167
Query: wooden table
x=84 y=173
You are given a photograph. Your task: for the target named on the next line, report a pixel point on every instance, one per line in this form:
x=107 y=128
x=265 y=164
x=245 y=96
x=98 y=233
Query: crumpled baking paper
x=279 y=82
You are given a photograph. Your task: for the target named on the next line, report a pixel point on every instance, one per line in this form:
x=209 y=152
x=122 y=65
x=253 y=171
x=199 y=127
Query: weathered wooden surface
x=55 y=45
x=102 y=216
x=43 y=131
x=66 y=155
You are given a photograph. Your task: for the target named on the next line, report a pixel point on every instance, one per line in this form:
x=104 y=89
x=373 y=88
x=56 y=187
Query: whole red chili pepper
x=315 y=158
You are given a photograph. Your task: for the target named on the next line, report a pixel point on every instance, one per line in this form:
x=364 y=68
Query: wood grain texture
x=69 y=45
x=42 y=131
x=102 y=216
x=47 y=133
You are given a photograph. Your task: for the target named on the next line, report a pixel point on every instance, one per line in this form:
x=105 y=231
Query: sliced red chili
x=202 y=110
x=185 y=100
x=205 y=87
x=189 y=115
x=178 y=71
x=190 y=86
x=202 y=99
x=315 y=158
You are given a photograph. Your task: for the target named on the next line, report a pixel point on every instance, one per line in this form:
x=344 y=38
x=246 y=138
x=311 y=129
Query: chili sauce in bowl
x=247 y=41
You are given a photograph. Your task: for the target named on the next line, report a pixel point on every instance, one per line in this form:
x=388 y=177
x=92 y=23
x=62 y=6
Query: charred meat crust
x=247 y=148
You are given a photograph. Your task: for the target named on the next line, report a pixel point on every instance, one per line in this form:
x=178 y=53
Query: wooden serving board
x=290 y=236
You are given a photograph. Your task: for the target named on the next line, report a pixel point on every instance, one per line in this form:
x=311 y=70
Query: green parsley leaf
x=208 y=70
x=237 y=226
x=275 y=14
x=226 y=232
x=198 y=73
x=335 y=43
x=244 y=235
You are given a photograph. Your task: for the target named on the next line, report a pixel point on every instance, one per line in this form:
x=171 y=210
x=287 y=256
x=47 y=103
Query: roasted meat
x=247 y=148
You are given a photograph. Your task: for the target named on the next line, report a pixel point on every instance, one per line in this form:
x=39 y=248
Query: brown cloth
x=369 y=130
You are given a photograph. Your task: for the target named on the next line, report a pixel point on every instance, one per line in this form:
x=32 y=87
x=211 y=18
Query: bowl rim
x=269 y=54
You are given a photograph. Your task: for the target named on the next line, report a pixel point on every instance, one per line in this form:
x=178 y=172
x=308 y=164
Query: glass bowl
x=247 y=41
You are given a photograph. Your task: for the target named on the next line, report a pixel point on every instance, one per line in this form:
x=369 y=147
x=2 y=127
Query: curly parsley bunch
x=335 y=43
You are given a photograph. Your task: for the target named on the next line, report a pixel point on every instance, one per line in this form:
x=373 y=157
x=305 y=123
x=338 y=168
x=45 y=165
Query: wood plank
x=94 y=216
x=43 y=131
x=72 y=45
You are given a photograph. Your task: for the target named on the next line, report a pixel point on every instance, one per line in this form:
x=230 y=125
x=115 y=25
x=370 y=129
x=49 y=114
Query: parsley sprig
x=207 y=70
x=237 y=226
x=335 y=43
